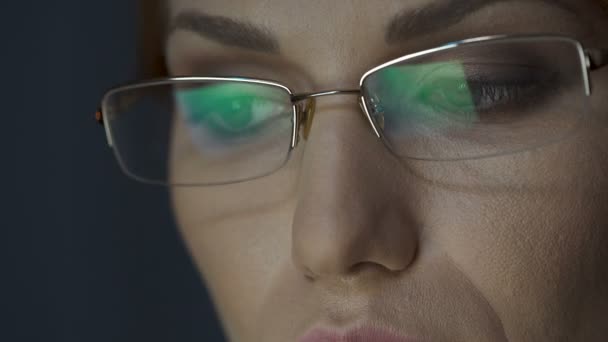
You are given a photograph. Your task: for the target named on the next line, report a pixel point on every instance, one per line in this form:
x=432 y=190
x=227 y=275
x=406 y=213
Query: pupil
x=238 y=117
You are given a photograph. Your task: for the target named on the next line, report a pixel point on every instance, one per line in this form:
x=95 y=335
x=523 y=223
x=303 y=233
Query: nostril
x=367 y=267
x=308 y=274
x=359 y=267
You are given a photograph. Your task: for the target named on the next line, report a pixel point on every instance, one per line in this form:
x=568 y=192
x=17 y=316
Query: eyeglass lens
x=202 y=132
x=478 y=100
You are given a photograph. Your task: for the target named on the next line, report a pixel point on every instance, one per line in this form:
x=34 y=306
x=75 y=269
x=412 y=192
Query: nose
x=351 y=212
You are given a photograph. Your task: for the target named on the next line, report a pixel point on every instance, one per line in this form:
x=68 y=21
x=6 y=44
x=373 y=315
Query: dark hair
x=152 y=25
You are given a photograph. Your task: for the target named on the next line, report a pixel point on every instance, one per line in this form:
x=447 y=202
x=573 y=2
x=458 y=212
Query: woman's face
x=505 y=248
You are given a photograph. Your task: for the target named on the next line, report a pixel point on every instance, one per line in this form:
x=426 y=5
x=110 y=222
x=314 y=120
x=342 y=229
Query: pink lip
x=361 y=334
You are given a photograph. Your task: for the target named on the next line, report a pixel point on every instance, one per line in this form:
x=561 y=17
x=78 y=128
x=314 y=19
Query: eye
x=430 y=94
x=461 y=94
x=230 y=110
x=487 y=87
x=238 y=115
x=446 y=91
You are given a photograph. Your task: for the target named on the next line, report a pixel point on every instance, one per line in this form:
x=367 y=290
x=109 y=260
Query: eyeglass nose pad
x=361 y=105
x=309 y=113
x=376 y=112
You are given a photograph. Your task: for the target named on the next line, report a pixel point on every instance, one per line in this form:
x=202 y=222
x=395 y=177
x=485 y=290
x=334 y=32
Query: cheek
x=533 y=262
x=235 y=257
x=238 y=236
x=532 y=244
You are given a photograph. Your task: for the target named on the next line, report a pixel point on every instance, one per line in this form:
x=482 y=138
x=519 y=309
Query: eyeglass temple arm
x=598 y=58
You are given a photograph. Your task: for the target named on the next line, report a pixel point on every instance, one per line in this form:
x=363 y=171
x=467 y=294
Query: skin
x=510 y=248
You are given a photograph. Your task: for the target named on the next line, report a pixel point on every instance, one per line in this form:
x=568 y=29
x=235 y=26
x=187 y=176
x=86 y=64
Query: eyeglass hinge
x=99 y=117
x=596 y=58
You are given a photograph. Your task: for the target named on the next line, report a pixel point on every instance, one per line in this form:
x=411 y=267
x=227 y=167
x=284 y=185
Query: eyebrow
x=433 y=17
x=226 y=31
x=442 y=14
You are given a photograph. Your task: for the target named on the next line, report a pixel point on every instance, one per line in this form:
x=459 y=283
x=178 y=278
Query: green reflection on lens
x=431 y=93
x=229 y=108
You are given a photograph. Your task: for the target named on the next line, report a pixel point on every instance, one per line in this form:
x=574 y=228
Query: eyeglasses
x=476 y=98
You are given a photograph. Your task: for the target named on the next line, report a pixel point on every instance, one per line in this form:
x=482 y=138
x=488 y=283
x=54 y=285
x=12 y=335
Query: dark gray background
x=87 y=254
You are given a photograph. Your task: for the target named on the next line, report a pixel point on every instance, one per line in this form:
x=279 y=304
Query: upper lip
x=364 y=333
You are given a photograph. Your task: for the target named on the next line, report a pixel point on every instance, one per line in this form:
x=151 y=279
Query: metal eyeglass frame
x=591 y=59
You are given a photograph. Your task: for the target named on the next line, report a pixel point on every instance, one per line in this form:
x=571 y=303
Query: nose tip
x=344 y=244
